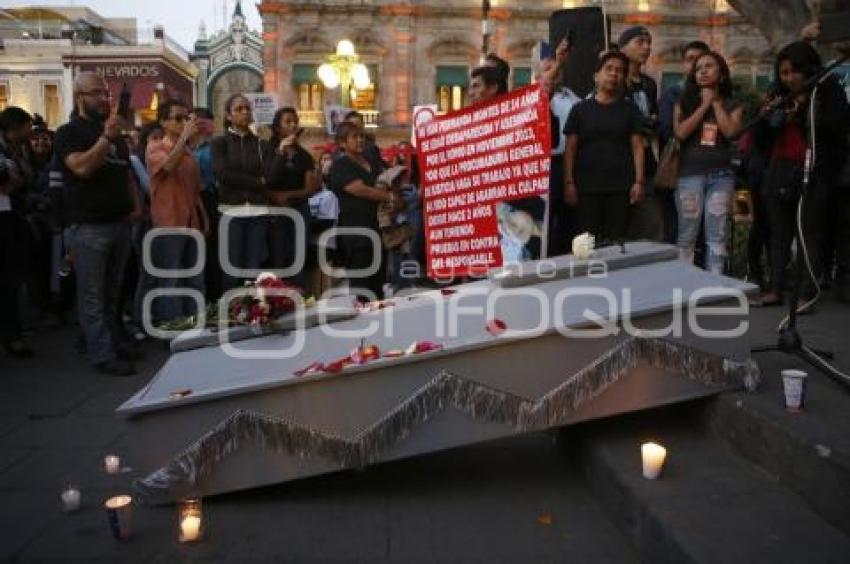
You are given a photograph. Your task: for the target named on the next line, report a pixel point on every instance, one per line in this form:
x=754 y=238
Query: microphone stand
x=789 y=341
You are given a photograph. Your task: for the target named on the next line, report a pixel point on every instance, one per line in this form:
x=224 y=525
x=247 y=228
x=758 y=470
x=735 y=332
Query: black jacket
x=832 y=125
x=240 y=165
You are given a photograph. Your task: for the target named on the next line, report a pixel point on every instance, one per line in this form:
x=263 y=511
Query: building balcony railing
x=316 y=118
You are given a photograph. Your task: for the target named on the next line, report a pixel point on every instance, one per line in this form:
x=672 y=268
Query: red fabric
x=790 y=145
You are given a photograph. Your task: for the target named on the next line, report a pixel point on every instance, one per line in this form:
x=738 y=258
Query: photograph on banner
x=485 y=183
x=334 y=115
x=422 y=115
x=264 y=106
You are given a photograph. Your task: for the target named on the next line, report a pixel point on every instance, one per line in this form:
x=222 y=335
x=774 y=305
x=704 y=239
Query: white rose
x=583 y=246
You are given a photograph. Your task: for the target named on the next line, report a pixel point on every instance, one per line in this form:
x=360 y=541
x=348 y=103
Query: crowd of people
x=77 y=208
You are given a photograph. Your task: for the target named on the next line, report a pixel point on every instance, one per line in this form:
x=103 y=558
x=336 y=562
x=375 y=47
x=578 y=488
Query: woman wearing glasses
x=239 y=160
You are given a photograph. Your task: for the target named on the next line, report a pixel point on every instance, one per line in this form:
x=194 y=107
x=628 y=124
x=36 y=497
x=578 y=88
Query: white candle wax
x=190 y=528
x=71 y=499
x=653 y=456
x=112 y=464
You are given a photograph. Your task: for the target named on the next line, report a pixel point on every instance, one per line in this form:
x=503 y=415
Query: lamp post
x=344 y=69
x=486 y=29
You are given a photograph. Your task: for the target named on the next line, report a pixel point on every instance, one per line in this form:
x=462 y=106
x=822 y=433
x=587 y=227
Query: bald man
x=100 y=190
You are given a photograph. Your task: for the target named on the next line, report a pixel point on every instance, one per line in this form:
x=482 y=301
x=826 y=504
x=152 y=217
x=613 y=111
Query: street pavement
x=519 y=500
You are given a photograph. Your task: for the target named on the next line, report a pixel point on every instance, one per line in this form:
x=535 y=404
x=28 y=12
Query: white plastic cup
x=794 y=385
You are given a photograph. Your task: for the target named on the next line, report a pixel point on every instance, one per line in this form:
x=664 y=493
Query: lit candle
x=653 y=459
x=190 y=528
x=112 y=463
x=71 y=499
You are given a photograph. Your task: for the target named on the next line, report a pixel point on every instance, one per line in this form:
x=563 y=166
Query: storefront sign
x=485 y=183
x=141 y=70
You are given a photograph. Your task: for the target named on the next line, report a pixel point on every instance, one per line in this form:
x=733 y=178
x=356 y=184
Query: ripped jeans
x=705 y=199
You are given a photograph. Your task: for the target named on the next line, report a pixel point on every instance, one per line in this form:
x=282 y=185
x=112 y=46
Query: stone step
x=807 y=452
x=710 y=505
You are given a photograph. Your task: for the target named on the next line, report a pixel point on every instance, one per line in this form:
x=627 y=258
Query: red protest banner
x=485 y=181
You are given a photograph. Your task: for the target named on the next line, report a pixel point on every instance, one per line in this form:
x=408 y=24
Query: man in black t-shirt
x=100 y=197
x=636 y=44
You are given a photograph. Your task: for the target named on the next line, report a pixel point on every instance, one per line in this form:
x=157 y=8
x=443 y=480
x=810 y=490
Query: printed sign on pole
x=264 y=104
x=485 y=183
x=334 y=115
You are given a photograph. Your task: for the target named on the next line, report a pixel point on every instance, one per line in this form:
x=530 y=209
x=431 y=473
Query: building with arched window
x=229 y=62
x=422 y=51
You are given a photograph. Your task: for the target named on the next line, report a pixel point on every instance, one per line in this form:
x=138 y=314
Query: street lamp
x=343 y=69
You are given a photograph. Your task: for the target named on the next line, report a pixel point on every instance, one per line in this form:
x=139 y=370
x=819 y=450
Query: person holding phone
x=101 y=198
x=175 y=180
x=292 y=180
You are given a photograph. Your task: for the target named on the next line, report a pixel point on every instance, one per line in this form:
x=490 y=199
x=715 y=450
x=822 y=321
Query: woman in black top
x=239 y=160
x=705 y=120
x=292 y=180
x=785 y=136
x=352 y=178
x=604 y=156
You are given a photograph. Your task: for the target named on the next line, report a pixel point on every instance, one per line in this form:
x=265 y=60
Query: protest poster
x=334 y=115
x=485 y=183
x=264 y=105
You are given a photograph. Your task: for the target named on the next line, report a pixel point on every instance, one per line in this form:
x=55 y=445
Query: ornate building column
x=398 y=111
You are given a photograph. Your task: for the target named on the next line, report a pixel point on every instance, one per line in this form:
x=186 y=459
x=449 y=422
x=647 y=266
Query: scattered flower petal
x=312 y=369
x=545 y=519
x=394 y=353
x=496 y=327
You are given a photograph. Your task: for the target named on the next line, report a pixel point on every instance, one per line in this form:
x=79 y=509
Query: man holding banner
x=485 y=177
x=561 y=102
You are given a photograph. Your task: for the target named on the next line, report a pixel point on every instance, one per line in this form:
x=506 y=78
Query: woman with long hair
x=706 y=120
x=604 y=156
x=240 y=162
x=785 y=135
x=352 y=178
x=292 y=180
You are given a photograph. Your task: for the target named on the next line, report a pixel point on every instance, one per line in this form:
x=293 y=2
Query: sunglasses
x=180 y=118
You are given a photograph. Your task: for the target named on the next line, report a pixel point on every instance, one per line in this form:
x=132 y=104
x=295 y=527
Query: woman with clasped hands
x=705 y=121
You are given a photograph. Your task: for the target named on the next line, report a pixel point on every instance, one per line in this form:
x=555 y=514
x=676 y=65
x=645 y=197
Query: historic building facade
x=229 y=62
x=421 y=51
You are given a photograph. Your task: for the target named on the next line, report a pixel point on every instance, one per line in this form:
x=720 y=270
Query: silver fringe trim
x=479 y=401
